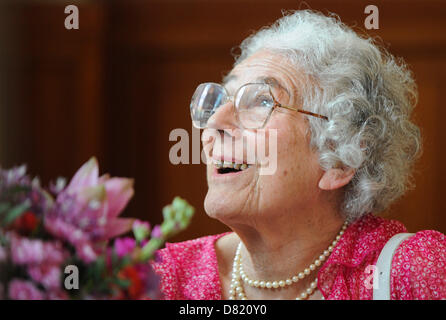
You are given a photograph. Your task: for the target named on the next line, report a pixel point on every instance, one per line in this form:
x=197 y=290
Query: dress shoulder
x=189 y=269
x=419 y=267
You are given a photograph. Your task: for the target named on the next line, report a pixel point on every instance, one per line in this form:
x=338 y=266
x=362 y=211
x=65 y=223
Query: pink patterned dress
x=189 y=269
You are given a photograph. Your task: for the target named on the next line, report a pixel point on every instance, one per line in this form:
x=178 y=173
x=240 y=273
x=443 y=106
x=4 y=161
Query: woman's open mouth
x=227 y=167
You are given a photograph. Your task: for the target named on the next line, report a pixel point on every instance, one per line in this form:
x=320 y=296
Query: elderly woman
x=341 y=110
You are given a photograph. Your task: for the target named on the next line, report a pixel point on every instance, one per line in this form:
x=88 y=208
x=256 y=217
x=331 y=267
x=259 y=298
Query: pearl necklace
x=238 y=274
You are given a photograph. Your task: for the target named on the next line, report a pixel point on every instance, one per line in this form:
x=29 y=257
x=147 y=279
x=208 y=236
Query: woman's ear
x=336 y=178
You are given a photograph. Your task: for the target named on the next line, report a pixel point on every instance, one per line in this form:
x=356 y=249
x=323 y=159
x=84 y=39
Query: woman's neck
x=277 y=250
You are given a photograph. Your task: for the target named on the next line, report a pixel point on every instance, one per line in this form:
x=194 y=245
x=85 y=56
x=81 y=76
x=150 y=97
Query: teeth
x=228 y=164
x=218 y=164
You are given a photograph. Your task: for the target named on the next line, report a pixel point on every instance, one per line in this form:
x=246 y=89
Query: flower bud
x=141 y=230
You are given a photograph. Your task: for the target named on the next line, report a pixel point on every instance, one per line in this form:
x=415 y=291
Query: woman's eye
x=264 y=101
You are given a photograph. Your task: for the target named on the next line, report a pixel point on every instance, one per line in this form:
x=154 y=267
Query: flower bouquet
x=61 y=242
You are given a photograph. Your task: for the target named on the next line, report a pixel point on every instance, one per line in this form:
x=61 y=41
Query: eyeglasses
x=253 y=104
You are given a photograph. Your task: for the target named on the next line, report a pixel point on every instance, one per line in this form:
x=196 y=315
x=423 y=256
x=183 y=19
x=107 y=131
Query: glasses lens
x=205 y=101
x=254 y=103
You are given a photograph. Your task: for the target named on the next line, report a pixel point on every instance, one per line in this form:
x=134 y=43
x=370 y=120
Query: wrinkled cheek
x=267 y=152
x=208 y=138
x=252 y=146
x=262 y=150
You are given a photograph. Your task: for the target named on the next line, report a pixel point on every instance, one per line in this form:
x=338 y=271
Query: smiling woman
x=340 y=108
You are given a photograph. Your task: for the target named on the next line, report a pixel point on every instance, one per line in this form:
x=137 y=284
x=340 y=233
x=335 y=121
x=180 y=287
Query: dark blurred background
x=116 y=87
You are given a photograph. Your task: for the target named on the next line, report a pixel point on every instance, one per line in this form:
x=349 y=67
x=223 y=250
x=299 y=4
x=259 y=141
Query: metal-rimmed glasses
x=253 y=104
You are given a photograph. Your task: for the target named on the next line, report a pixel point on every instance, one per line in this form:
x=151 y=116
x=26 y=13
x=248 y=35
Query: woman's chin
x=220 y=207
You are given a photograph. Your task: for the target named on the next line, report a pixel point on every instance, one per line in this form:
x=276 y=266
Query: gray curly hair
x=368 y=96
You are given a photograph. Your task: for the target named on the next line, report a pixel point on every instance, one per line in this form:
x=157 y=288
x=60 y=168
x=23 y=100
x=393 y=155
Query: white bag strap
x=381 y=275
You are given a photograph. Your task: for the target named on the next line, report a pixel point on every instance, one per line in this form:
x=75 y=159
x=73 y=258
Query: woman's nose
x=223 y=118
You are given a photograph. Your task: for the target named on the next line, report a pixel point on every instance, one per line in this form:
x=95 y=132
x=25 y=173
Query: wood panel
x=423 y=207
x=54 y=107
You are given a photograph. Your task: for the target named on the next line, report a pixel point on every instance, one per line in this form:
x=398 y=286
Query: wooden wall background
x=119 y=85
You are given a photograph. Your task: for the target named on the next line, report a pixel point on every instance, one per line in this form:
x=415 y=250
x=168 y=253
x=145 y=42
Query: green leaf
x=190 y=211
x=99 y=266
x=141 y=233
x=125 y=261
x=114 y=258
x=168 y=213
x=179 y=204
x=18 y=189
x=149 y=248
x=123 y=283
x=4 y=206
x=16 y=212
x=167 y=227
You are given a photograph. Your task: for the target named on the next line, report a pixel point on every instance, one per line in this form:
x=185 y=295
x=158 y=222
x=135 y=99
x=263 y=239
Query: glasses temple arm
x=303 y=111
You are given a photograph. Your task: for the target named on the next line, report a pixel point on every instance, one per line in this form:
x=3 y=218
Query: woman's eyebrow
x=268 y=80
x=273 y=82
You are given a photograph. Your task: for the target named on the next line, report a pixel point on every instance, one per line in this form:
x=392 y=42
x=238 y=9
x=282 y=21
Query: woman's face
x=248 y=196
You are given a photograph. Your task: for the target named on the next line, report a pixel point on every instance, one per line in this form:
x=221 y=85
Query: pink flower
x=24 y=290
x=43 y=259
x=141 y=224
x=86 y=211
x=26 y=251
x=141 y=230
x=156 y=232
x=47 y=275
x=124 y=246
